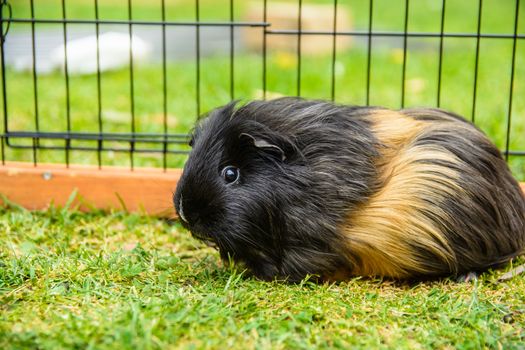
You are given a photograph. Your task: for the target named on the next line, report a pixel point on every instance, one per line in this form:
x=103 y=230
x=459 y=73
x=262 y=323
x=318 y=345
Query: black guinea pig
x=293 y=187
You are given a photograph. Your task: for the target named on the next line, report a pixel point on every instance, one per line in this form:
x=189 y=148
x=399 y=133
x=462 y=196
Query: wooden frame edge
x=143 y=190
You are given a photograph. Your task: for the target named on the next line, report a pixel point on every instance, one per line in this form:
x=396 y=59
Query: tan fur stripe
x=382 y=234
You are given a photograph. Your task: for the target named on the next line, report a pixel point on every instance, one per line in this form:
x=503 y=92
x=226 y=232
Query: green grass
x=350 y=83
x=121 y=281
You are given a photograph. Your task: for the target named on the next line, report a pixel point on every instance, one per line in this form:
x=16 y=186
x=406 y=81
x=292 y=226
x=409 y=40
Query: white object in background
x=114 y=49
x=114 y=52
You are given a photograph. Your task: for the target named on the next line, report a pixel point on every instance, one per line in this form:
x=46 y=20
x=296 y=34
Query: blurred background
x=144 y=67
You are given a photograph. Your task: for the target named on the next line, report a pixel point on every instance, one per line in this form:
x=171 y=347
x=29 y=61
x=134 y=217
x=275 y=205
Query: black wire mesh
x=171 y=142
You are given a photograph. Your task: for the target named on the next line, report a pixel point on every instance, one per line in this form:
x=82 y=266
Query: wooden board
x=144 y=190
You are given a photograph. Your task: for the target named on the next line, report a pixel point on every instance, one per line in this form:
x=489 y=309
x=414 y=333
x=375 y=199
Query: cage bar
x=35 y=79
x=232 y=54
x=440 y=62
x=369 y=50
x=164 y=90
x=511 y=85
x=384 y=33
x=334 y=52
x=476 y=62
x=299 y=37
x=264 y=49
x=131 y=89
x=405 y=43
x=198 y=61
x=99 y=90
x=196 y=23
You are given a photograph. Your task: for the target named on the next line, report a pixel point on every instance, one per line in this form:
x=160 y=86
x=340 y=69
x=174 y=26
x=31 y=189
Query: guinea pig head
x=227 y=194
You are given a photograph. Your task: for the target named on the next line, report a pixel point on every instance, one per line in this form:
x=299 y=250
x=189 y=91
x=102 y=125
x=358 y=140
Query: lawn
x=121 y=281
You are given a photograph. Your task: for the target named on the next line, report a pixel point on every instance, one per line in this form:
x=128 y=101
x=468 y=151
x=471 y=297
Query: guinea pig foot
x=467 y=277
x=512 y=273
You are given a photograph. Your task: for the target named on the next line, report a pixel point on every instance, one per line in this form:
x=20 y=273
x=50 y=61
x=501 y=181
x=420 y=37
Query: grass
x=350 y=87
x=117 y=280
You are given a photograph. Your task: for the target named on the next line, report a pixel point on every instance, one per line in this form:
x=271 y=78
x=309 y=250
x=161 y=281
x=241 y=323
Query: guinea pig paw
x=467 y=277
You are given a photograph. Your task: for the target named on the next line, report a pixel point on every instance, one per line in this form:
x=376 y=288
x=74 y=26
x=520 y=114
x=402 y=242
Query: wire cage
x=465 y=56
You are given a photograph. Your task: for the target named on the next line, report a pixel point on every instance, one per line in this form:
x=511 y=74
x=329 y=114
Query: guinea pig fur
x=295 y=187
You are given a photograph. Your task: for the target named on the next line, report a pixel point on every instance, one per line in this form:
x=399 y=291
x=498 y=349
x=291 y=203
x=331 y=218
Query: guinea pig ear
x=265 y=145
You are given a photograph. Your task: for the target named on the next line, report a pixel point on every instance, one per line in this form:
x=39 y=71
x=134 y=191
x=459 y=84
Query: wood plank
x=144 y=190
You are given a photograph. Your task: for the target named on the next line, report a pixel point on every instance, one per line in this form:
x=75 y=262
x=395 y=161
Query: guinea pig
x=295 y=187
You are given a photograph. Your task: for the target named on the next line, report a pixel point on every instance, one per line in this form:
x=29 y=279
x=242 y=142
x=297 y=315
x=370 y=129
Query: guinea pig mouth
x=211 y=244
x=208 y=240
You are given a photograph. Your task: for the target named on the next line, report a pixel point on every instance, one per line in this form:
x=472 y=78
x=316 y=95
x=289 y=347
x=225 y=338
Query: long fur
x=337 y=191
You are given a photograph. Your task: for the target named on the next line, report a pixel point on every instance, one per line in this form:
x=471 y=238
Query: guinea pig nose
x=181 y=210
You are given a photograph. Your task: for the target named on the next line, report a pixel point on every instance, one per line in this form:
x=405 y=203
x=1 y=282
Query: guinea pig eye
x=230 y=174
